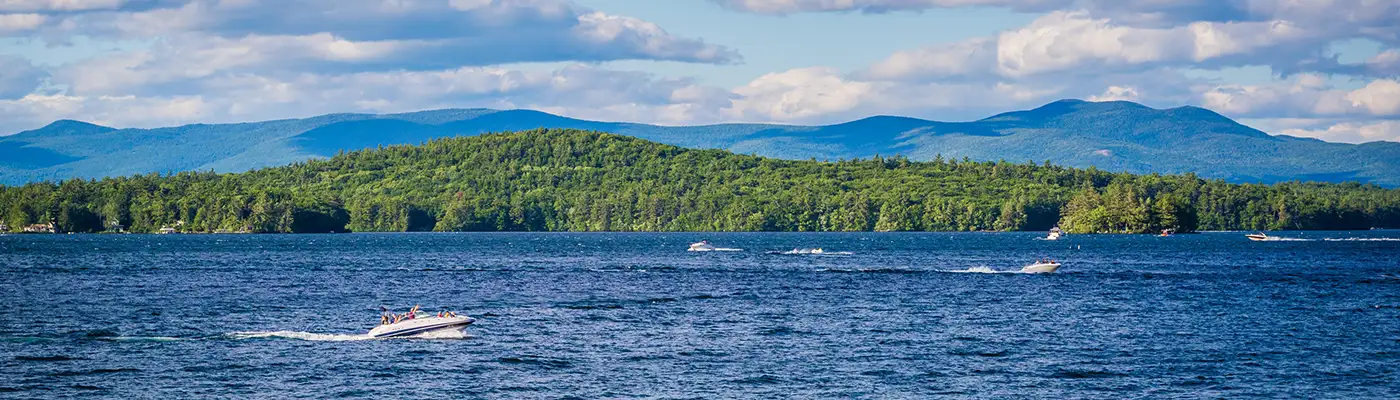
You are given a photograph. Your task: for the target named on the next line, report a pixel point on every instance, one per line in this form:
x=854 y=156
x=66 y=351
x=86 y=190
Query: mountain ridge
x=1117 y=136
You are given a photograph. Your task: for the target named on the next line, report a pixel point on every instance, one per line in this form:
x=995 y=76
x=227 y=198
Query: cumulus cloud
x=58 y=5
x=967 y=59
x=1371 y=17
x=1116 y=93
x=226 y=60
x=1380 y=97
x=1303 y=96
x=1141 y=51
x=13 y=23
x=781 y=7
x=576 y=90
x=421 y=34
x=1352 y=132
x=826 y=95
x=1076 y=42
x=237 y=60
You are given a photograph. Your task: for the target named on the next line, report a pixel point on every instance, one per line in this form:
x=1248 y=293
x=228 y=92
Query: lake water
x=905 y=315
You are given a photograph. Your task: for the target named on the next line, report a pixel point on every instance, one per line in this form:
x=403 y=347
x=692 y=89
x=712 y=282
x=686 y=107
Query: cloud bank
x=238 y=60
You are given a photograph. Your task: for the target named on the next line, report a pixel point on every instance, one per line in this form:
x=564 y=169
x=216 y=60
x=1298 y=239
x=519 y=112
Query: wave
x=874 y=270
x=812 y=252
x=144 y=338
x=333 y=337
x=980 y=270
x=318 y=337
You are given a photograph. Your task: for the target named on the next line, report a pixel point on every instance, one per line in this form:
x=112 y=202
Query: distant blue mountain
x=1116 y=136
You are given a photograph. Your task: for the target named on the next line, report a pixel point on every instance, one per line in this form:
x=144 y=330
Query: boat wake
x=1284 y=239
x=980 y=270
x=812 y=252
x=318 y=337
x=716 y=249
x=1389 y=239
x=331 y=337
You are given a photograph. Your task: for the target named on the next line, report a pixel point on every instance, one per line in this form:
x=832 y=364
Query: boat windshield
x=389 y=318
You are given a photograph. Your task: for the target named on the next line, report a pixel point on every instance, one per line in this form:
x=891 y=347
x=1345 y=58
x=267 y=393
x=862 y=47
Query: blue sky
x=1325 y=68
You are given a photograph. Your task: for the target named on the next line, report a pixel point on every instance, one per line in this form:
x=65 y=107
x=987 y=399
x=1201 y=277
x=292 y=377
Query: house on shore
x=41 y=228
x=172 y=229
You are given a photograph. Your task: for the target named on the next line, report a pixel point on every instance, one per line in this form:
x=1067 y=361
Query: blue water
x=635 y=315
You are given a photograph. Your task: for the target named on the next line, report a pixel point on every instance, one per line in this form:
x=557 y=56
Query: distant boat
x=703 y=245
x=1042 y=266
x=1055 y=234
x=1166 y=232
x=1258 y=236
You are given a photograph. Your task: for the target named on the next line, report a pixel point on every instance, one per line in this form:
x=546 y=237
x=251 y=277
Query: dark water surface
x=635 y=315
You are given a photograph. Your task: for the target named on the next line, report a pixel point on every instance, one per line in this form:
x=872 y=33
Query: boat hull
x=1040 y=268
x=419 y=326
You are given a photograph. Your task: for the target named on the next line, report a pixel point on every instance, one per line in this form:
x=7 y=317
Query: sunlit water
x=636 y=315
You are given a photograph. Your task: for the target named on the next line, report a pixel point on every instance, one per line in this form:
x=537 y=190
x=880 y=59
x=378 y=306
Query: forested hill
x=570 y=180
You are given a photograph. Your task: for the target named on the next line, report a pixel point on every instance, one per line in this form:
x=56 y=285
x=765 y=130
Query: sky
x=1328 y=69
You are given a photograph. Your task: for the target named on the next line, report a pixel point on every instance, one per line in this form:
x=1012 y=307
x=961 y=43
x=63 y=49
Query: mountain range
x=1115 y=136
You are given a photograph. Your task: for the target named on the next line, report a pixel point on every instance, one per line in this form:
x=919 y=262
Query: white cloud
x=238 y=60
x=11 y=23
x=35 y=109
x=1352 y=132
x=1117 y=93
x=798 y=94
x=970 y=58
x=1076 y=40
x=1303 y=96
x=780 y=7
x=1380 y=97
x=577 y=90
x=1385 y=63
x=1076 y=43
x=825 y=95
x=431 y=34
x=1373 y=18
x=58 y=5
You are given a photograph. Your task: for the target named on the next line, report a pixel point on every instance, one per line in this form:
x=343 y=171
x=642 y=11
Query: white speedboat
x=703 y=245
x=1257 y=236
x=1055 y=234
x=1041 y=267
x=415 y=323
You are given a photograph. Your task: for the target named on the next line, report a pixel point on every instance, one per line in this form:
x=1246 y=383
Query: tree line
x=570 y=180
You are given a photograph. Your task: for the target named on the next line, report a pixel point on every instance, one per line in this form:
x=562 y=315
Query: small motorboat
x=703 y=245
x=416 y=323
x=1167 y=232
x=1042 y=266
x=1257 y=236
x=1055 y=234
